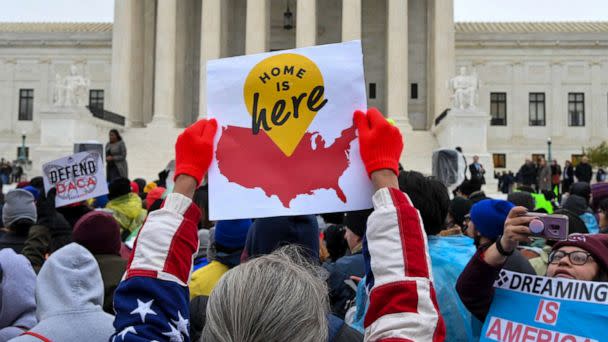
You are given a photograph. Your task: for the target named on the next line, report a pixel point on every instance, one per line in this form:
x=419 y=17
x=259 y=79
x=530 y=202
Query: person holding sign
x=580 y=257
x=152 y=301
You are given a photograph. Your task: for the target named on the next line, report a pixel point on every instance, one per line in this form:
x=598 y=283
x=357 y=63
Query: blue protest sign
x=534 y=308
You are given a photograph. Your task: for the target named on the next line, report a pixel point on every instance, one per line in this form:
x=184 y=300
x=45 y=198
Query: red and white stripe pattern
x=403 y=304
x=165 y=246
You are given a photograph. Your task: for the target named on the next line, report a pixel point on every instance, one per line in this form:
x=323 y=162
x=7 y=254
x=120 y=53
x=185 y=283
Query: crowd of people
x=10 y=173
x=539 y=176
x=145 y=263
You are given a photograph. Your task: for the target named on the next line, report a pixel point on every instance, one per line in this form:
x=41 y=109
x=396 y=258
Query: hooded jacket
x=268 y=234
x=17 y=295
x=69 y=293
x=128 y=212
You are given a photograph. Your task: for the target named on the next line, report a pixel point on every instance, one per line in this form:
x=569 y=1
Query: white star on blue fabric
x=182 y=324
x=174 y=335
x=125 y=331
x=143 y=309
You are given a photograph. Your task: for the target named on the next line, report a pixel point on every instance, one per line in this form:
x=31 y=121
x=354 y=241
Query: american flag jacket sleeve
x=402 y=300
x=152 y=301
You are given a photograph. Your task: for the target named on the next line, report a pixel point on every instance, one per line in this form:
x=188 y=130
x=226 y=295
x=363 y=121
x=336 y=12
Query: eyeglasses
x=576 y=257
x=467 y=217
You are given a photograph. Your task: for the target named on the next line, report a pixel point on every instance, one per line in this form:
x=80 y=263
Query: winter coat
x=583 y=172
x=204 y=280
x=339 y=292
x=112 y=268
x=475 y=285
x=69 y=293
x=527 y=174
x=449 y=255
x=544 y=178
x=128 y=212
x=17 y=295
x=118 y=151
x=9 y=239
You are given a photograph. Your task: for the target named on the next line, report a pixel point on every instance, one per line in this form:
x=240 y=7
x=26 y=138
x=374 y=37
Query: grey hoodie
x=17 y=296
x=69 y=293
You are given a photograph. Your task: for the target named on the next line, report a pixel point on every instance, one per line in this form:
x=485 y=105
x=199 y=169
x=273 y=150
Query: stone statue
x=464 y=90
x=71 y=90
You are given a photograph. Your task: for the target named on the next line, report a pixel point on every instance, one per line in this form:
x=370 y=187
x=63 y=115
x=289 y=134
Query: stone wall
x=554 y=64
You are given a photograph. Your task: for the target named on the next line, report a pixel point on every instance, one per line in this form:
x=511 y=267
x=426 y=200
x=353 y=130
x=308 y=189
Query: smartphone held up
x=549 y=226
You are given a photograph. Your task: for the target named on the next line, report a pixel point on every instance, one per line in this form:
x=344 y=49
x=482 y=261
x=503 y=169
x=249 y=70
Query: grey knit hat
x=19 y=204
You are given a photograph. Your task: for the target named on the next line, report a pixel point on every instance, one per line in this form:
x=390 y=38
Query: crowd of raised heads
x=145 y=263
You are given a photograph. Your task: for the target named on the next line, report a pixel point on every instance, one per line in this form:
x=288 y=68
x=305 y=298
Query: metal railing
x=108 y=116
x=441 y=116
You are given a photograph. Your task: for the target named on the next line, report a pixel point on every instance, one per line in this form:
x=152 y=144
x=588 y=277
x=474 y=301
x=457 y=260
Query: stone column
x=556 y=116
x=396 y=63
x=518 y=110
x=351 y=20
x=306 y=23
x=126 y=94
x=441 y=49
x=257 y=26
x=164 y=70
x=148 y=61
x=211 y=44
x=595 y=118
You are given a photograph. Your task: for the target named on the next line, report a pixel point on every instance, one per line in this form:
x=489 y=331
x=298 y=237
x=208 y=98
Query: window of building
x=414 y=90
x=26 y=104
x=372 y=90
x=96 y=98
x=500 y=160
x=536 y=157
x=537 y=109
x=576 y=109
x=498 y=109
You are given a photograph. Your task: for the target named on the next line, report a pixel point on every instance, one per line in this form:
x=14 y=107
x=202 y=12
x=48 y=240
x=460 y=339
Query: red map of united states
x=255 y=161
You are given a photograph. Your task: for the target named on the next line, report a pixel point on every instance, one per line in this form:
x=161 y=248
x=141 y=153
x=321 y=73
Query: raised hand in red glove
x=380 y=142
x=194 y=149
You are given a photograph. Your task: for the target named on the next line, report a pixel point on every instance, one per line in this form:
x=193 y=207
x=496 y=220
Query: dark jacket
x=9 y=239
x=583 y=172
x=341 y=270
x=527 y=174
x=112 y=268
x=477 y=174
x=475 y=286
x=341 y=332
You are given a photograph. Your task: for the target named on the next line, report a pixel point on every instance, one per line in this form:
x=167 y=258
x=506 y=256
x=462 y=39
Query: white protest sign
x=76 y=178
x=286 y=143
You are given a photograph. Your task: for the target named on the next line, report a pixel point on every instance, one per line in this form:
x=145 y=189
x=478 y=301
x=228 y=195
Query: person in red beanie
x=100 y=234
x=580 y=257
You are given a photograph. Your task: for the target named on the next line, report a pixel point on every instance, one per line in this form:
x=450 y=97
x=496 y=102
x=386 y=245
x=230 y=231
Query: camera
x=551 y=227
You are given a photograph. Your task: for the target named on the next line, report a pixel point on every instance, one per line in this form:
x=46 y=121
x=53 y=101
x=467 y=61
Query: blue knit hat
x=489 y=217
x=232 y=233
x=32 y=191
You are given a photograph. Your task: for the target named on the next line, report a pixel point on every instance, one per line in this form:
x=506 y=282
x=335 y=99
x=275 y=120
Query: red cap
x=596 y=244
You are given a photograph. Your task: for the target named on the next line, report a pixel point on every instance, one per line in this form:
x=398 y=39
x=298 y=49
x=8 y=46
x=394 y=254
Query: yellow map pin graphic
x=283 y=94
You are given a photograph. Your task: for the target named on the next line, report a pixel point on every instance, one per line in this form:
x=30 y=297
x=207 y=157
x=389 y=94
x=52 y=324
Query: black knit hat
x=356 y=221
x=119 y=187
x=459 y=208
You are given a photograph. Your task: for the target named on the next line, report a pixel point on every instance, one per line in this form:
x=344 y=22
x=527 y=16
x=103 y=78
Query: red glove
x=194 y=149
x=380 y=142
